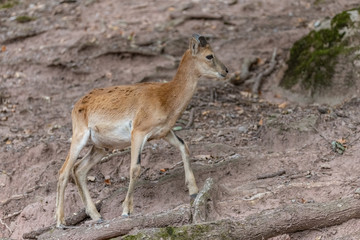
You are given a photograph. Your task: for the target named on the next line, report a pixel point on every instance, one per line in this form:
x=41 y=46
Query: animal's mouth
x=221 y=75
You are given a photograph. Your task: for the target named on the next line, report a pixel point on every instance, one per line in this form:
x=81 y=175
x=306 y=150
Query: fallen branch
x=239 y=78
x=71 y=221
x=191 y=119
x=12 y=214
x=113 y=154
x=271 y=175
x=7 y=227
x=266 y=224
x=20 y=196
x=122 y=226
x=180 y=18
x=258 y=79
x=326 y=140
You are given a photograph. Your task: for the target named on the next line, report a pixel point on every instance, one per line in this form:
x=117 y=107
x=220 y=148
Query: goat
x=121 y=116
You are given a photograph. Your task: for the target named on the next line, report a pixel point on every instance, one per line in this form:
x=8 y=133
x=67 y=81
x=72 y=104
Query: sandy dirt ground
x=71 y=47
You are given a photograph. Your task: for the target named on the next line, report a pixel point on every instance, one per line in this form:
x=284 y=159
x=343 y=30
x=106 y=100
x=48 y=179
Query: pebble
x=91 y=178
x=242 y=129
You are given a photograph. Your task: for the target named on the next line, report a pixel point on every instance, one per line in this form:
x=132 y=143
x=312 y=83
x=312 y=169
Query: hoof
x=124 y=215
x=101 y=220
x=193 y=196
x=61 y=226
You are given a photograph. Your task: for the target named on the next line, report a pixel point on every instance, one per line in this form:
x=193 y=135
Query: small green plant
x=24 y=19
x=8 y=4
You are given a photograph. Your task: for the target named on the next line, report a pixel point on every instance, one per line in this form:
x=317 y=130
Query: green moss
x=8 y=4
x=313 y=57
x=182 y=233
x=133 y=237
x=24 y=19
x=341 y=20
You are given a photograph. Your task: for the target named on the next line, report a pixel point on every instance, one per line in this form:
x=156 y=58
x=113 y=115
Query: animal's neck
x=183 y=85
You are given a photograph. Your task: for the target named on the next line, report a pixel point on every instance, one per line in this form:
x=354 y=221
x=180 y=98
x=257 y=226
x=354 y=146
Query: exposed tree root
x=122 y=226
x=20 y=196
x=266 y=224
x=239 y=78
x=72 y=220
x=268 y=71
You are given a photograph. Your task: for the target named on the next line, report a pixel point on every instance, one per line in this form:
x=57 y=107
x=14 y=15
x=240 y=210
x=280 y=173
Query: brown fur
x=119 y=116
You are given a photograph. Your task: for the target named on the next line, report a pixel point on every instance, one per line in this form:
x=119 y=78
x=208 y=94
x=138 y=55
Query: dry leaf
x=260 y=61
x=261 y=122
x=283 y=105
x=239 y=110
x=107 y=181
x=205 y=113
x=163 y=170
x=3 y=48
x=8 y=142
x=246 y=94
x=342 y=141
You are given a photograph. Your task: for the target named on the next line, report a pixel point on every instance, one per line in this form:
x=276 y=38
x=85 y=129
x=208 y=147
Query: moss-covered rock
x=321 y=63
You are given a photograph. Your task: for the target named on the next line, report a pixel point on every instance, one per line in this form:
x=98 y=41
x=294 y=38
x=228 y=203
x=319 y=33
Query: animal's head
x=206 y=61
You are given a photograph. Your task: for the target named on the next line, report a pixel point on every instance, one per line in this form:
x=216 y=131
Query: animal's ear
x=194 y=45
x=196 y=42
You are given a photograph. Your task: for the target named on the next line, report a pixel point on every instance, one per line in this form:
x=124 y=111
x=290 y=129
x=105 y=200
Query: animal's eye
x=210 y=57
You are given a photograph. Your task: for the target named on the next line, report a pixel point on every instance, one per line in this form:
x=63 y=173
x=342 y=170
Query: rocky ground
x=53 y=52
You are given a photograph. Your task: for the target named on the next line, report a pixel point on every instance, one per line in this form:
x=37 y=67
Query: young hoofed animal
x=120 y=116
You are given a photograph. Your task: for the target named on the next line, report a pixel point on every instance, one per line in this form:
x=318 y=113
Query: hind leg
x=78 y=142
x=80 y=172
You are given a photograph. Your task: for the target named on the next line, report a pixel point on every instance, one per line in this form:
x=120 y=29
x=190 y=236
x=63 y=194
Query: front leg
x=138 y=140
x=189 y=175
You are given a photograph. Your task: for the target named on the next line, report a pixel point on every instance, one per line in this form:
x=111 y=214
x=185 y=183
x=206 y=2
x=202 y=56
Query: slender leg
x=138 y=139
x=189 y=175
x=80 y=171
x=79 y=140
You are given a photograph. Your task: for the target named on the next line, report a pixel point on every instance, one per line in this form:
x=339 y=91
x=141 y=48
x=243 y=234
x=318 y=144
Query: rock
x=91 y=178
x=242 y=129
x=318 y=67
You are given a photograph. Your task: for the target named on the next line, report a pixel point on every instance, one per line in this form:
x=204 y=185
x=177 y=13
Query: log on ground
x=122 y=226
x=263 y=225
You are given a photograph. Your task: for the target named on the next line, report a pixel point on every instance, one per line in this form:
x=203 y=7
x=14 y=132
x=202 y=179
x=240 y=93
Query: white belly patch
x=112 y=135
